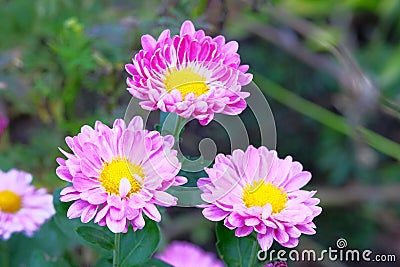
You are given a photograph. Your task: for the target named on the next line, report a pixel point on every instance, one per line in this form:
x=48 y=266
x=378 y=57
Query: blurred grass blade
x=327 y=118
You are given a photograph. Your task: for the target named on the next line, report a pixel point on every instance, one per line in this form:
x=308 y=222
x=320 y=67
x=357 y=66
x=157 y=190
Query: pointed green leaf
x=236 y=251
x=156 y=263
x=102 y=239
x=137 y=247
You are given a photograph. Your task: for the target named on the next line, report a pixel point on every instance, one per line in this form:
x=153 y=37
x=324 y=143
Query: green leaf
x=69 y=226
x=137 y=247
x=66 y=226
x=100 y=238
x=39 y=259
x=102 y=262
x=235 y=251
x=156 y=263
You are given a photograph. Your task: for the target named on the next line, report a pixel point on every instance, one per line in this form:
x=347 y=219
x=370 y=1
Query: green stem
x=328 y=118
x=180 y=122
x=117 y=242
x=253 y=255
x=5 y=260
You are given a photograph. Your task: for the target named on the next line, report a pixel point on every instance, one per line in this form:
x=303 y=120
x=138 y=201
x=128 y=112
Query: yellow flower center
x=186 y=81
x=261 y=193
x=10 y=202
x=113 y=172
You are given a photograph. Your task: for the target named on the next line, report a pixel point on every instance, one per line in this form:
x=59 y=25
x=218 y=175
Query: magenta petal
x=281 y=236
x=243 y=231
x=76 y=209
x=298 y=181
x=214 y=213
x=187 y=28
x=138 y=222
x=82 y=183
x=124 y=187
x=101 y=214
x=148 y=42
x=88 y=213
x=116 y=226
x=265 y=240
x=236 y=220
x=293 y=242
x=152 y=212
x=251 y=221
x=164 y=199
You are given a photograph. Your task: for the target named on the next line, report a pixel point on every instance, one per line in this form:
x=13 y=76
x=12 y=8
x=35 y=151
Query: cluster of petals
x=212 y=58
x=184 y=254
x=223 y=191
x=33 y=208
x=92 y=149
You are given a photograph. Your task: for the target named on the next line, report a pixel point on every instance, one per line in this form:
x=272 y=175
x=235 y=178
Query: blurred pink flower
x=119 y=173
x=3 y=122
x=184 y=254
x=22 y=207
x=256 y=191
x=190 y=74
x=276 y=264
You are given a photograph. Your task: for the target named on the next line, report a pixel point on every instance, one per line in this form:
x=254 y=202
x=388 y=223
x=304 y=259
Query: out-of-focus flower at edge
x=119 y=173
x=256 y=191
x=276 y=264
x=3 y=122
x=184 y=254
x=22 y=207
x=190 y=74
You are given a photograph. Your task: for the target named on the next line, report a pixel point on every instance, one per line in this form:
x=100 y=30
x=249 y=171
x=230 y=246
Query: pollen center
x=186 y=81
x=10 y=202
x=261 y=193
x=113 y=172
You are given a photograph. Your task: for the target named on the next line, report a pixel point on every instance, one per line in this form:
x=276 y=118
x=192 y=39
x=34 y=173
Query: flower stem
x=5 y=260
x=253 y=255
x=117 y=242
x=180 y=122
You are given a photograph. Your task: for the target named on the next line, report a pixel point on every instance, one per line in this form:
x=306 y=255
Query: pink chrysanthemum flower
x=119 y=173
x=184 y=254
x=22 y=207
x=256 y=191
x=190 y=74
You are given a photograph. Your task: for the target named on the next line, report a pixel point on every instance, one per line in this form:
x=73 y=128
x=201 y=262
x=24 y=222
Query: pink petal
x=148 y=42
x=298 y=181
x=214 y=213
x=243 y=231
x=76 y=209
x=187 y=28
x=265 y=240
x=116 y=226
x=124 y=187
x=89 y=213
x=165 y=199
x=152 y=212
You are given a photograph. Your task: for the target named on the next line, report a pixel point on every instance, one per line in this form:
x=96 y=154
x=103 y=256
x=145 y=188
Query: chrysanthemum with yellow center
x=113 y=172
x=10 y=202
x=186 y=81
x=261 y=193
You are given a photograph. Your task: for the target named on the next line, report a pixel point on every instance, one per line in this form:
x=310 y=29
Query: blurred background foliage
x=329 y=69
